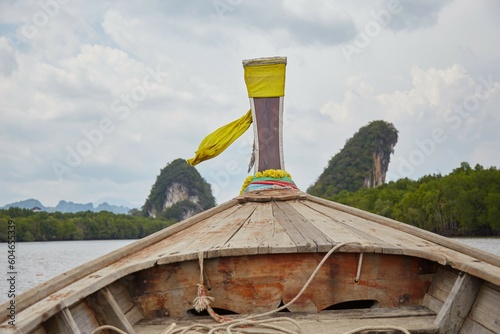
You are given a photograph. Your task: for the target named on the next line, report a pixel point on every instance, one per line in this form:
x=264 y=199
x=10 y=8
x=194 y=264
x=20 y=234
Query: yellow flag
x=216 y=142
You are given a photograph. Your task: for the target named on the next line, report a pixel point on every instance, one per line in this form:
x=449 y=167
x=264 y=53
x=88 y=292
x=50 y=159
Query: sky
x=99 y=96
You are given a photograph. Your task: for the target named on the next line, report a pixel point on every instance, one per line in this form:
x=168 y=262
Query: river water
x=37 y=262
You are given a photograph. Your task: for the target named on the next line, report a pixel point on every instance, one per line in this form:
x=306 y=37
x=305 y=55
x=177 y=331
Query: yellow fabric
x=216 y=142
x=265 y=80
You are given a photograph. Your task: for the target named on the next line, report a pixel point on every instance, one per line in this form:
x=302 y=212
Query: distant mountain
x=178 y=193
x=118 y=202
x=27 y=204
x=112 y=208
x=362 y=163
x=64 y=207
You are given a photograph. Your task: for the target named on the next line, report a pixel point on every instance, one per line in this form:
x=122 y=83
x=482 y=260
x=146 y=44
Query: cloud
x=416 y=14
x=131 y=86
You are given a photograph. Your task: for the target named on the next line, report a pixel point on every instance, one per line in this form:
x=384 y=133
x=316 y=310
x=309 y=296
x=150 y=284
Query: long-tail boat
x=273 y=259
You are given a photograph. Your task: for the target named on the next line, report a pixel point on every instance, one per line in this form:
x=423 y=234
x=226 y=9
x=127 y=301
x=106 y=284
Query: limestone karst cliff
x=363 y=162
x=178 y=193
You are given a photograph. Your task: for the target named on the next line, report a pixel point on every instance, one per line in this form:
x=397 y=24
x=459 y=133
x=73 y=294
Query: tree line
x=464 y=202
x=44 y=226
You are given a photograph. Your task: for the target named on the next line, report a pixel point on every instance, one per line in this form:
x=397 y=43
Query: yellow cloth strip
x=265 y=80
x=216 y=142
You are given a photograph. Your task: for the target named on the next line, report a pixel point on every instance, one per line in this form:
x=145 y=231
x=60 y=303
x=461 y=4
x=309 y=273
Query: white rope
x=375 y=328
x=358 y=272
x=113 y=328
x=202 y=301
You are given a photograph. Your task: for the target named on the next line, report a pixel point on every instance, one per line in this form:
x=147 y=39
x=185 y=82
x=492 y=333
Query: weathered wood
x=84 y=317
x=39 y=330
x=432 y=303
x=258 y=283
x=458 y=304
x=472 y=327
x=300 y=239
x=210 y=236
x=113 y=312
x=328 y=225
x=486 y=309
x=303 y=225
x=255 y=235
x=125 y=301
x=271 y=195
x=122 y=296
x=442 y=284
x=62 y=322
x=387 y=240
x=134 y=315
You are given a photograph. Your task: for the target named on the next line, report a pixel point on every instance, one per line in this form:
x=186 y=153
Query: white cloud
x=82 y=71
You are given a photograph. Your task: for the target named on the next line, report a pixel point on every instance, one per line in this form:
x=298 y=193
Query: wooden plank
x=486 y=309
x=472 y=327
x=314 y=235
x=385 y=238
x=134 y=315
x=121 y=296
x=282 y=242
x=255 y=235
x=442 y=284
x=113 y=311
x=432 y=303
x=438 y=292
x=39 y=330
x=264 y=215
x=299 y=238
x=180 y=244
x=334 y=229
x=84 y=318
x=62 y=322
x=209 y=236
x=464 y=262
x=458 y=304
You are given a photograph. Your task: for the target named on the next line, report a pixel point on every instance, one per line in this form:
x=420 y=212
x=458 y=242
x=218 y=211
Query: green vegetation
x=192 y=193
x=43 y=226
x=363 y=162
x=465 y=202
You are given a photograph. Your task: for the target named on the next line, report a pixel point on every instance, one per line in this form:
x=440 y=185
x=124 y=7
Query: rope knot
x=202 y=301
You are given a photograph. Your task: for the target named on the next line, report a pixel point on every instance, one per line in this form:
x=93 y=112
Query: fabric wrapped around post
x=216 y=142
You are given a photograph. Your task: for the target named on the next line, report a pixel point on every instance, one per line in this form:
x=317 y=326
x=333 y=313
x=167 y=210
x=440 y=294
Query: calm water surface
x=37 y=262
